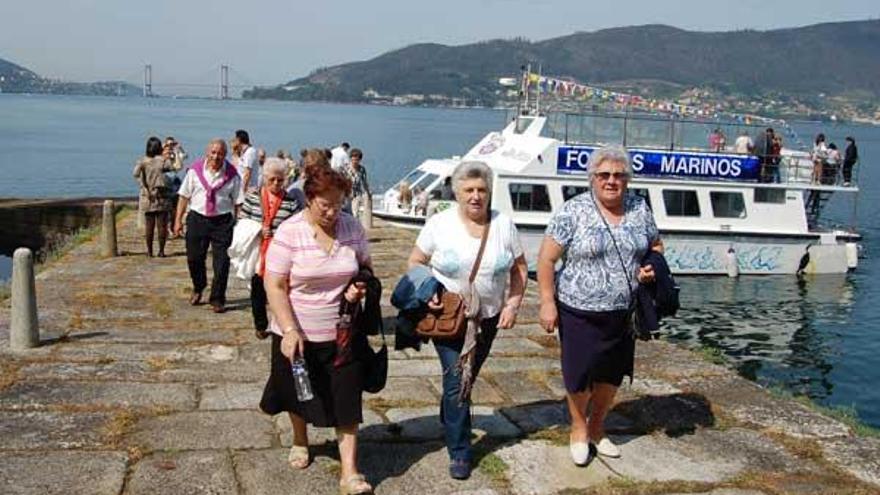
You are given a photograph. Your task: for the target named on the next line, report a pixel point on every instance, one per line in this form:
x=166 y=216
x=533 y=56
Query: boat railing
x=673 y=133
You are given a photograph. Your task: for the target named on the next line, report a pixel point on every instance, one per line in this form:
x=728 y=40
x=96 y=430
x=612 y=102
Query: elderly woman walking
x=601 y=236
x=449 y=244
x=309 y=265
x=155 y=196
x=270 y=205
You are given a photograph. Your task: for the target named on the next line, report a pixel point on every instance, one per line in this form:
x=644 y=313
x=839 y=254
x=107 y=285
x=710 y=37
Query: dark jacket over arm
x=656 y=299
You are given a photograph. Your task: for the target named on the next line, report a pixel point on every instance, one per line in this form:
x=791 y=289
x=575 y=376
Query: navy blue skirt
x=596 y=348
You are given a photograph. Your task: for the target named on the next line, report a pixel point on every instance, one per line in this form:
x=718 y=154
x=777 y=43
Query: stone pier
x=134 y=391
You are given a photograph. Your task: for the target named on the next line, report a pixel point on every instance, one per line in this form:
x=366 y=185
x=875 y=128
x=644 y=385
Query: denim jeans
x=455 y=416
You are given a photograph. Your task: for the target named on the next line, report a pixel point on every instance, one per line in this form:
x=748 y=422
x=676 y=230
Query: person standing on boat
x=360 y=187
x=446 y=192
x=764 y=150
x=449 y=244
x=717 y=140
x=775 y=157
x=850 y=157
x=743 y=143
x=212 y=193
x=831 y=165
x=601 y=236
x=820 y=153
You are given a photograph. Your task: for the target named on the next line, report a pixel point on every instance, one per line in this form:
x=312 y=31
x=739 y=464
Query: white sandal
x=355 y=484
x=299 y=458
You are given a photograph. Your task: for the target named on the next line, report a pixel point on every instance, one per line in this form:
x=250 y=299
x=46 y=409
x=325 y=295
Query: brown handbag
x=448 y=322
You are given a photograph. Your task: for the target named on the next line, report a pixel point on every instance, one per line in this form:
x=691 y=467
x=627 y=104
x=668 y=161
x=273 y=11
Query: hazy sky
x=272 y=41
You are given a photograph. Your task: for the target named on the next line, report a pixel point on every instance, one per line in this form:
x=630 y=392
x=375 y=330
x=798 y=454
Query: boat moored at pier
x=718 y=211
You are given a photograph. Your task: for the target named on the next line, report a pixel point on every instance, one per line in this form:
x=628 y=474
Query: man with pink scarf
x=212 y=192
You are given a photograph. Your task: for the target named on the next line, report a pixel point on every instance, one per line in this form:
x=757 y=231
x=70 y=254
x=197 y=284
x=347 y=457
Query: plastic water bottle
x=301 y=380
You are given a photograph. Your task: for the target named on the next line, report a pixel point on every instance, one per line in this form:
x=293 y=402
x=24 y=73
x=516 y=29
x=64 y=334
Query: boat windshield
x=410 y=178
x=426 y=180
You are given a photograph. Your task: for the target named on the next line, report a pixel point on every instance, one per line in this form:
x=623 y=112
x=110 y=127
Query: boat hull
x=713 y=254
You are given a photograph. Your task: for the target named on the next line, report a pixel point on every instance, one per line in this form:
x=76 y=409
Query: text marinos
x=574 y=159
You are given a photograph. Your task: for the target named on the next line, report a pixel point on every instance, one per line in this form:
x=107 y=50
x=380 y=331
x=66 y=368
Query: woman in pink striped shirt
x=309 y=265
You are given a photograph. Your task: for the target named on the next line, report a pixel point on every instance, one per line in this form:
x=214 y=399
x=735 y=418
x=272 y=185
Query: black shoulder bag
x=376 y=366
x=632 y=323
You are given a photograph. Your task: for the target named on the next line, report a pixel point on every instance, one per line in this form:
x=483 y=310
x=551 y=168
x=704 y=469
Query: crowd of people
x=829 y=166
x=292 y=231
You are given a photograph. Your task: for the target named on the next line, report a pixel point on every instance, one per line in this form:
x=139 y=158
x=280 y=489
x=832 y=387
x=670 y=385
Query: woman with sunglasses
x=601 y=236
x=270 y=205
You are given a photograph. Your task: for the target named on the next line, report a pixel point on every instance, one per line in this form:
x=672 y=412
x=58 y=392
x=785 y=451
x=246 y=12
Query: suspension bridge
x=222 y=82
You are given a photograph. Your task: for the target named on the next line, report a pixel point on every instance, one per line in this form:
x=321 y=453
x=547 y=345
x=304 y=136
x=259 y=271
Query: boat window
x=680 y=203
x=569 y=192
x=728 y=204
x=638 y=191
x=529 y=197
x=769 y=195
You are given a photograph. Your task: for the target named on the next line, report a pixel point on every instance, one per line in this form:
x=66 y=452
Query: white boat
x=713 y=213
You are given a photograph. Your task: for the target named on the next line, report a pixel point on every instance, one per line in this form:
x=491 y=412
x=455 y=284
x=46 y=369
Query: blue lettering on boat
x=573 y=160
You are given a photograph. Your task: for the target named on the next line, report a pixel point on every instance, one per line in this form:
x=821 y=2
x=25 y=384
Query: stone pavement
x=133 y=391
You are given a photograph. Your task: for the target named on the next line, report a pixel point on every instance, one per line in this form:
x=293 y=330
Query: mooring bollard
x=24 y=331
x=108 y=230
x=367 y=218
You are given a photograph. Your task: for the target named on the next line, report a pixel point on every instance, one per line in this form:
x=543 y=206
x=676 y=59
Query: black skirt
x=337 y=392
x=596 y=348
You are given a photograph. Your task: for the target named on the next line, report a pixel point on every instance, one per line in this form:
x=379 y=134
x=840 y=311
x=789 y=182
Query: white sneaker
x=580 y=453
x=607 y=448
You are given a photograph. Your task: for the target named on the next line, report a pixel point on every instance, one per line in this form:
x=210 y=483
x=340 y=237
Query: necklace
x=324 y=239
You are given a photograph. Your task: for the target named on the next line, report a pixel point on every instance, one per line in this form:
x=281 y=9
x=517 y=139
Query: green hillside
x=17 y=79
x=818 y=61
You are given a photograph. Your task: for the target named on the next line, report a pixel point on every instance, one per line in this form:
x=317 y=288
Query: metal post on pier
x=108 y=230
x=24 y=330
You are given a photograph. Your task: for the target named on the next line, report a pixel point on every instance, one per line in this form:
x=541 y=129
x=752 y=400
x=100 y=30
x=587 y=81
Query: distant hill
x=833 y=58
x=17 y=79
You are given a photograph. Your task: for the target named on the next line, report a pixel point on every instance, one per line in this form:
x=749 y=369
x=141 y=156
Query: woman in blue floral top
x=601 y=236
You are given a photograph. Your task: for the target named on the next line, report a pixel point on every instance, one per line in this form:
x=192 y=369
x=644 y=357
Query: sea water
x=819 y=336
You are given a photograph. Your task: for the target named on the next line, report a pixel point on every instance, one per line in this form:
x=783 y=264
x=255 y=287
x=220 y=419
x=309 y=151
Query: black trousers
x=258 y=304
x=216 y=232
x=847 y=171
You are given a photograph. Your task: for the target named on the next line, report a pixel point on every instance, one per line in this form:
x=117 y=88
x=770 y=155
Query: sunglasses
x=605 y=176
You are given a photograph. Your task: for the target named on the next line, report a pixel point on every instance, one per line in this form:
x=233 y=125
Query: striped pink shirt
x=317 y=279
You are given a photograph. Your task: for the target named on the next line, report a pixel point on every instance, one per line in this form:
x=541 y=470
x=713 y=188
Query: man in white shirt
x=249 y=166
x=340 y=159
x=743 y=143
x=213 y=193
